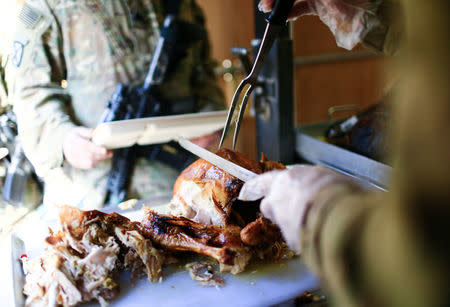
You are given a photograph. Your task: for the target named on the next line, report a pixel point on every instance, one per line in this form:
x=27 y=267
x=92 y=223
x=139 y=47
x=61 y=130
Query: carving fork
x=275 y=23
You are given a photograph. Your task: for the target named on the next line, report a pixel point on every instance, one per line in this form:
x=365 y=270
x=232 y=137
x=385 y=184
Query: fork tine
x=241 y=113
x=236 y=95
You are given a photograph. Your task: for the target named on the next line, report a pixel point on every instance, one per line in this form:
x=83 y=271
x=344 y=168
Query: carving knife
x=225 y=165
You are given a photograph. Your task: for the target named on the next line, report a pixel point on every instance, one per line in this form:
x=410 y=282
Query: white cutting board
x=264 y=286
x=156 y=130
x=259 y=285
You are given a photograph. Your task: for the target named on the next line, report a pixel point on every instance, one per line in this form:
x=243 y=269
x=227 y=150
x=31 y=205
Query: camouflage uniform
x=3 y=90
x=69 y=55
x=393 y=249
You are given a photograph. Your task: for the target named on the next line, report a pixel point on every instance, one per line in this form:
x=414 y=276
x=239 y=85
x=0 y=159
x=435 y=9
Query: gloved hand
x=82 y=153
x=289 y=194
x=348 y=20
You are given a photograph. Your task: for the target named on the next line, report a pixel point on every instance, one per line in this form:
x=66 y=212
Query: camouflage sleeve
x=205 y=87
x=332 y=240
x=392 y=249
x=3 y=89
x=386 y=34
x=35 y=75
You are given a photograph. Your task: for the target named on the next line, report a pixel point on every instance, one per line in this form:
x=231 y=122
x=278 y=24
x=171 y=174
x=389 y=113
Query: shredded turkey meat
x=204 y=274
x=80 y=262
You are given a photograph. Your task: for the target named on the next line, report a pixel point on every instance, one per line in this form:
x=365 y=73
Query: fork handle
x=280 y=12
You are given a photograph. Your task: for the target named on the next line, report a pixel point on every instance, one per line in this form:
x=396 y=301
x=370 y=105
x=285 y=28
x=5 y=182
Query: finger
x=85 y=132
x=257 y=187
x=267 y=210
x=83 y=162
x=265 y=6
x=98 y=158
x=93 y=163
x=109 y=153
x=96 y=149
x=88 y=154
x=101 y=157
x=90 y=160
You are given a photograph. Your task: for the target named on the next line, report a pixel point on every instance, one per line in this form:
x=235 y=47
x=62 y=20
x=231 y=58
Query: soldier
x=68 y=57
x=386 y=249
x=3 y=90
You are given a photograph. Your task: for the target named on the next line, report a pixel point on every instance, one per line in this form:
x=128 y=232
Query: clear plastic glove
x=288 y=194
x=80 y=151
x=348 y=20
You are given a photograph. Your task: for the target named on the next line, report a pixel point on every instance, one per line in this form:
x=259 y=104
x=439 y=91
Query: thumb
x=85 y=132
x=267 y=210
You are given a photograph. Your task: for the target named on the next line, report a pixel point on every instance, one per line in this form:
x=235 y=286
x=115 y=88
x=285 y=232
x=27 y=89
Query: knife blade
x=225 y=165
x=17 y=250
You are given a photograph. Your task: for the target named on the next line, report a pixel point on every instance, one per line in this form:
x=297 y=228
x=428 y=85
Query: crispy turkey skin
x=204 y=193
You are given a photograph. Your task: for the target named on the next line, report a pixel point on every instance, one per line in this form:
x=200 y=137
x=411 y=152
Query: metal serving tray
x=311 y=147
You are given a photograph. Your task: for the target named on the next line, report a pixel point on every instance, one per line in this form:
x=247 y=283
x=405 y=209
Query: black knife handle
x=280 y=12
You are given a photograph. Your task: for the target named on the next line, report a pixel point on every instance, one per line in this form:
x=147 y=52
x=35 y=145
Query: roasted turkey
x=223 y=244
x=204 y=193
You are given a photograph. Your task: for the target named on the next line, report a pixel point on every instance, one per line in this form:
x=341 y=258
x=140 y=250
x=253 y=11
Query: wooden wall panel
x=231 y=23
x=320 y=86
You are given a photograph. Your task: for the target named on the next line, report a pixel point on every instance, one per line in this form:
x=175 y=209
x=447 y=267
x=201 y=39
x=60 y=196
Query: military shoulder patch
x=29 y=16
x=18 y=47
x=17 y=53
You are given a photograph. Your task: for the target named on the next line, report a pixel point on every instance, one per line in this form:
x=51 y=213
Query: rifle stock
x=19 y=169
x=17 y=175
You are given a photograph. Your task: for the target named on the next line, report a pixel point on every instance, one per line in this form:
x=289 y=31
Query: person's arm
x=386 y=249
x=37 y=71
x=387 y=31
x=3 y=89
x=41 y=104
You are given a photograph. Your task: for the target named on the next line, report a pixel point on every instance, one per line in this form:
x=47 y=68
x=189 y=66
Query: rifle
x=19 y=168
x=144 y=101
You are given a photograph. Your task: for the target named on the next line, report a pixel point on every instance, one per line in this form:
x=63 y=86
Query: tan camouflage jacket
x=70 y=54
x=393 y=249
x=3 y=89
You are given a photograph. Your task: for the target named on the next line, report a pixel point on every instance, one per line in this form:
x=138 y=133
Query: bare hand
x=80 y=152
x=289 y=194
x=207 y=141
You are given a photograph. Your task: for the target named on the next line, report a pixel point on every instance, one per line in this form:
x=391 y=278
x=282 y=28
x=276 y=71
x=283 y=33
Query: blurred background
x=324 y=75
x=7 y=15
